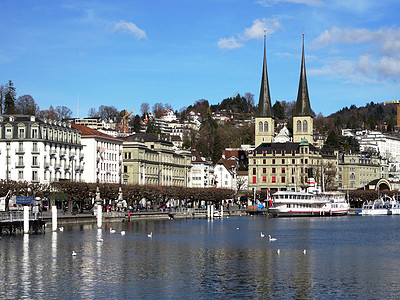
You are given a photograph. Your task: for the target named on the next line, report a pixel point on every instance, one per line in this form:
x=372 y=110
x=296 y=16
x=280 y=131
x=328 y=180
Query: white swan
x=262 y=234
x=304 y=251
x=112 y=230
x=122 y=232
x=150 y=234
x=278 y=251
x=271 y=239
x=73 y=253
x=61 y=228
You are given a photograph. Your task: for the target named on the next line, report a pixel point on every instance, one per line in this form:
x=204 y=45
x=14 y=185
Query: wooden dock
x=13 y=223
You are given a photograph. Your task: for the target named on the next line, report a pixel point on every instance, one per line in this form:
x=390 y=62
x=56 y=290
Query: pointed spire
x=264 y=103
x=303 y=107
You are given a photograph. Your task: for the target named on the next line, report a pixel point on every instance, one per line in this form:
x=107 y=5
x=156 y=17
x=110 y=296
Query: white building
x=168 y=115
x=103 y=156
x=225 y=173
x=200 y=171
x=39 y=150
x=385 y=145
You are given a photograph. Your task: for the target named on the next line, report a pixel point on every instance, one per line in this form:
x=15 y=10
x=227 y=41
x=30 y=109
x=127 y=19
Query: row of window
x=274 y=179
x=283 y=170
x=303 y=150
x=293 y=161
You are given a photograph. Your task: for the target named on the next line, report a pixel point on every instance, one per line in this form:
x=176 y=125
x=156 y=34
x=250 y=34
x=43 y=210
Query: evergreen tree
x=2 y=91
x=137 y=124
x=152 y=128
x=279 y=111
x=332 y=140
x=9 y=98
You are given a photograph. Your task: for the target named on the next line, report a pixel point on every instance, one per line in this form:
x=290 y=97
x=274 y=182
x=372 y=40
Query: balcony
x=62 y=153
x=35 y=165
x=53 y=152
x=20 y=165
x=58 y=166
x=35 y=151
x=47 y=164
x=81 y=156
x=20 y=151
x=67 y=166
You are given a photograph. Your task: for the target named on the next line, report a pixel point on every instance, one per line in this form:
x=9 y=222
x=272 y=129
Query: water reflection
x=207 y=259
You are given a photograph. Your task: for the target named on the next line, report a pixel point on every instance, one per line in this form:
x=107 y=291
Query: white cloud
x=257 y=29
x=229 y=44
x=268 y=3
x=130 y=28
x=378 y=60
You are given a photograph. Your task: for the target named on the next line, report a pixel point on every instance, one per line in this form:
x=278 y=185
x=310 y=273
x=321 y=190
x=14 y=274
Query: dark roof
x=287 y=147
x=302 y=107
x=264 y=103
x=145 y=137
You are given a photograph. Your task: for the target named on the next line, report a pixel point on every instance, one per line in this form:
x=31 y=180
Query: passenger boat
x=312 y=202
x=295 y=204
x=385 y=205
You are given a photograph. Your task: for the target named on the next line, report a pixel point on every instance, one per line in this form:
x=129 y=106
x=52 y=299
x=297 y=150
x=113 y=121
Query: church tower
x=264 y=122
x=303 y=122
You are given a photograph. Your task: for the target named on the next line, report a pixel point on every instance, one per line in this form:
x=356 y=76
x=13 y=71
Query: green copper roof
x=302 y=107
x=303 y=142
x=264 y=108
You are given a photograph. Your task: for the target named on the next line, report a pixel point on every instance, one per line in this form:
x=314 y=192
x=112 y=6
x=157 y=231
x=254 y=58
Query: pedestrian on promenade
x=64 y=209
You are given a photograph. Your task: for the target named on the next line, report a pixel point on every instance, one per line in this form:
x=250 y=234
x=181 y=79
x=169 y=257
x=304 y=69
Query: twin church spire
x=302 y=114
x=264 y=108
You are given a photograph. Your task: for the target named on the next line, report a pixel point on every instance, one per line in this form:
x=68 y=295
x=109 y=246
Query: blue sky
x=124 y=53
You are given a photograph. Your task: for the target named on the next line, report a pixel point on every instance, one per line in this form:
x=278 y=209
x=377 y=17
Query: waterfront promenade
x=114 y=216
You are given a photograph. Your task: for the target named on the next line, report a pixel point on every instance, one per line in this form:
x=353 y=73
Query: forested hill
x=372 y=116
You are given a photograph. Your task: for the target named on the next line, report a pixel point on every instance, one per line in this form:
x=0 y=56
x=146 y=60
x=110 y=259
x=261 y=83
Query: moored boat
x=295 y=204
x=385 y=205
x=312 y=202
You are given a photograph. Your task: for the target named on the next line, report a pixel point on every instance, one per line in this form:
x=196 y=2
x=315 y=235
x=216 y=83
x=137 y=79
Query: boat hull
x=306 y=213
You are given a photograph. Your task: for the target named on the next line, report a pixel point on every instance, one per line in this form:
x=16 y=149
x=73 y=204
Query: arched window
x=305 y=125
x=298 y=126
x=260 y=126
x=266 y=126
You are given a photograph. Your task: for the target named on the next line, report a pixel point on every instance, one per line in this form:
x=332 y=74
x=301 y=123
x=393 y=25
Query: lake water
x=355 y=257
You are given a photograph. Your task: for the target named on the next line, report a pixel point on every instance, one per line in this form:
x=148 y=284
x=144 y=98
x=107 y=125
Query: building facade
x=358 y=170
x=103 y=156
x=283 y=163
x=39 y=150
x=147 y=159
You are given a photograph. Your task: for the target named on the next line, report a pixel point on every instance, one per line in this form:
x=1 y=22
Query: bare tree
x=241 y=182
x=250 y=101
x=63 y=112
x=144 y=108
x=158 y=109
x=329 y=179
x=93 y=113
x=49 y=114
x=108 y=112
x=26 y=105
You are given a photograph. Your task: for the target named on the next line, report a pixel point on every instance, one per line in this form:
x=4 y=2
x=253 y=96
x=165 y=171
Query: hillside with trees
x=215 y=136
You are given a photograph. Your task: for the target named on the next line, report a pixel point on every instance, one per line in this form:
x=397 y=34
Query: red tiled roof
x=85 y=131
